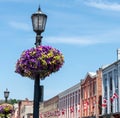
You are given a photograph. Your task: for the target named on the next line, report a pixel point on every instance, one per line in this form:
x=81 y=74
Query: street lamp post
x=38 y=22
x=6 y=94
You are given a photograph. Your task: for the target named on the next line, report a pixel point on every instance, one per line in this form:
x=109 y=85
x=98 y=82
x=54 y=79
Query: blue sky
x=87 y=32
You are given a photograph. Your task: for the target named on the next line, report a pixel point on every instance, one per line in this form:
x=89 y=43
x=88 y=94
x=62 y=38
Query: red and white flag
x=111 y=99
x=78 y=107
x=94 y=104
x=63 y=111
x=104 y=104
x=114 y=96
x=71 y=109
x=86 y=105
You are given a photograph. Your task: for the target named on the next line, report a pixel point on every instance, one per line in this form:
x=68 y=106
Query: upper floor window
x=94 y=88
x=78 y=96
x=116 y=78
x=85 y=92
x=105 y=80
x=90 y=89
x=110 y=79
x=82 y=93
x=105 y=83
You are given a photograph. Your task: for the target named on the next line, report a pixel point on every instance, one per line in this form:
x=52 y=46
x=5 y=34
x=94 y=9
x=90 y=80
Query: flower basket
x=6 y=109
x=42 y=60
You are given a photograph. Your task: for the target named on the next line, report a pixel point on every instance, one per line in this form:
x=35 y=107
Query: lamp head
x=6 y=93
x=39 y=21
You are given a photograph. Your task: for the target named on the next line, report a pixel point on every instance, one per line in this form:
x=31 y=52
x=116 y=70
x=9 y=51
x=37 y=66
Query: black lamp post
x=6 y=94
x=38 y=22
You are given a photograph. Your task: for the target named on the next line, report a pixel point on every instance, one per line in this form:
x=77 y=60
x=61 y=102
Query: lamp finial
x=39 y=9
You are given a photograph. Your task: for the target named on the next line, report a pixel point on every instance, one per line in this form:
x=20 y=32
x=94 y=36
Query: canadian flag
x=71 y=109
x=86 y=105
x=115 y=95
x=78 y=107
x=104 y=104
x=94 y=104
x=63 y=111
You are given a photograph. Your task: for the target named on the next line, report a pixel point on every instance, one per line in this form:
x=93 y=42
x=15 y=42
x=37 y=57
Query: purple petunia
x=42 y=60
x=6 y=108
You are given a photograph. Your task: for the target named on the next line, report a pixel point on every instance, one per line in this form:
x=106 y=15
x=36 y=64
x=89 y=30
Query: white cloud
x=20 y=26
x=111 y=36
x=74 y=40
x=102 y=4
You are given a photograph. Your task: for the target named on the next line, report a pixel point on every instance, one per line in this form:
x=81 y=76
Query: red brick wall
x=92 y=91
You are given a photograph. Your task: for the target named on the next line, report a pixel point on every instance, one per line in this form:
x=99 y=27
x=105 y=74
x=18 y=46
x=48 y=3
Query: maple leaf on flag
x=104 y=104
x=71 y=109
x=115 y=95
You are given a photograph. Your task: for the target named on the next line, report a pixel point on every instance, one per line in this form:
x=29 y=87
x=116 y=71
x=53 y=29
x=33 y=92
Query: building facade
x=91 y=95
x=111 y=90
x=25 y=109
x=69 y=102
x=15 y=114
x=49 y=108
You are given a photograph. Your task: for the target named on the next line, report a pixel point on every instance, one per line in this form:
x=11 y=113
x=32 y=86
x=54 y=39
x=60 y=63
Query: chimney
x=118 y=54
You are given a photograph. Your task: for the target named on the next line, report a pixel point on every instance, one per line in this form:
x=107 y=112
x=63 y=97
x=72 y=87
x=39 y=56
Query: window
x=70 y=100
x=94 y=88
x=73 y=98
x=110 y=77
x=105 y=84
x=63 y=101
x=116 y=78
x=82 y=93
x=79 y=96
x=111 y=88
x=117 y=109
x=111 y=107
x=85 y=94
x=90 y=89
x=66 y=102
x=76 y=97
x=106 y=110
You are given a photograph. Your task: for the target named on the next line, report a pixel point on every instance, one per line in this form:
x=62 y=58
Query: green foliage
x=12 y=101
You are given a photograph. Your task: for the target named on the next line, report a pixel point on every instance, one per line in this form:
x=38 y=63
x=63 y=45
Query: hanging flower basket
x=6 y=109
x=42 y=60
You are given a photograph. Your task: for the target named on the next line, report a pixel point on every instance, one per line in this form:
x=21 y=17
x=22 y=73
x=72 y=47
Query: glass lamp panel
x=40 y=23
x=35 y=23
x=6 y=94
x=44 y=22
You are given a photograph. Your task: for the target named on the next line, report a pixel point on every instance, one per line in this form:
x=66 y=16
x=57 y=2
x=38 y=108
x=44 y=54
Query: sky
x=87 y=32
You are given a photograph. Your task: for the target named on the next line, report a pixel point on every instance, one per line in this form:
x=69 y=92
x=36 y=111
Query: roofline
x=114 y=63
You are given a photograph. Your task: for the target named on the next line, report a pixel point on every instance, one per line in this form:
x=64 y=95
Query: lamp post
x=6 y=94
x=38 y=22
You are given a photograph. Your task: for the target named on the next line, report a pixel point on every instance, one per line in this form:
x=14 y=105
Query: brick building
x=25 y=109
x=91 y=93
x=49 y=108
